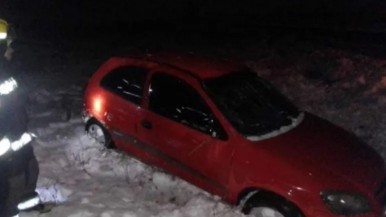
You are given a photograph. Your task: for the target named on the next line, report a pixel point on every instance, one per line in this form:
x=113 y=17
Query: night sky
x=60 y=14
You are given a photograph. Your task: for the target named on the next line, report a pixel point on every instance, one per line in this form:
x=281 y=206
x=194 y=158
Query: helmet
x=3 y=29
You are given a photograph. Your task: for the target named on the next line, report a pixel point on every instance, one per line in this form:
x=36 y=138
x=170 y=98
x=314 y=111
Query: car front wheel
x=270 y=206
x=265 y=212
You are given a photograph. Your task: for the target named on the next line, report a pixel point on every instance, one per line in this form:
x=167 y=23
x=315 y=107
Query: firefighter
x=18 y=166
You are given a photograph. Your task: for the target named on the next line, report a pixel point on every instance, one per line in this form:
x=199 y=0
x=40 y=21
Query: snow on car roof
x=199 y=66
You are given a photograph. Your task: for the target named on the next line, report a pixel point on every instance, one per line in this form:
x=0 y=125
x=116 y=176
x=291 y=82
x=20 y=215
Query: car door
x=124 y=85
x=181 y=130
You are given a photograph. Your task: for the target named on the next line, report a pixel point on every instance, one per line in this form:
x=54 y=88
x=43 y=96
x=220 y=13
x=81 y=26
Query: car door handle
x=146 y=124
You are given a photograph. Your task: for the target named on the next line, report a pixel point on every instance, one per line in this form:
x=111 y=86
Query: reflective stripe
x=5 y=144
x=29 y=203
x=16 y=145
x=8 y=86
x=21 y=142
x=3 y=35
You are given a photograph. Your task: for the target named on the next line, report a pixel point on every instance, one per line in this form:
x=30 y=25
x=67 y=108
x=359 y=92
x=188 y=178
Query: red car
x=221 y=127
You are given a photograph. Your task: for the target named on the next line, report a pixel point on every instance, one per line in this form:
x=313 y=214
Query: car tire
x=270 y=206
x=98 y=132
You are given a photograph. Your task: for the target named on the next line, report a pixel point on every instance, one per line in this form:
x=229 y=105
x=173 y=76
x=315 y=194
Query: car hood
x=322 y=147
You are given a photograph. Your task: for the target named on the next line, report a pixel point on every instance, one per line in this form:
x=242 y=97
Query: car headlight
x=344 y=203
x=8 y=86
x=5 y=145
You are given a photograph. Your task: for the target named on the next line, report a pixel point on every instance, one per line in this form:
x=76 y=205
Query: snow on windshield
x=294 y=123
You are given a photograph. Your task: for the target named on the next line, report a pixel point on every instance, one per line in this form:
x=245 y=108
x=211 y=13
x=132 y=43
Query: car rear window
x=127 y=82
x=176 y=100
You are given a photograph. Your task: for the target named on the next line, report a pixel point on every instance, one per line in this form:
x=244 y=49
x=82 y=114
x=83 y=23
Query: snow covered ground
x=86 y=180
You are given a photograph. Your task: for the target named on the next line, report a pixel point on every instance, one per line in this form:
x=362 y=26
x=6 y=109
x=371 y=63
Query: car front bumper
x=311 y=211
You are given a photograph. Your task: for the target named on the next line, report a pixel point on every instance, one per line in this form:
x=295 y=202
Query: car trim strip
x=156 y=152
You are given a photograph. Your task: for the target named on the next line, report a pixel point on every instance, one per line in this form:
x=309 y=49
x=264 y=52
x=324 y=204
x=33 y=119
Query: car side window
x=127 y=82
x=175 y=99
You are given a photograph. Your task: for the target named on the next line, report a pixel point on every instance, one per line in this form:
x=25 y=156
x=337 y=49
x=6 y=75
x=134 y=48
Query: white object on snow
x=51 y=194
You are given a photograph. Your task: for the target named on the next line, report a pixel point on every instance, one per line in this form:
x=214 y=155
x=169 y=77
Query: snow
x=295 y=122
x=86 y=180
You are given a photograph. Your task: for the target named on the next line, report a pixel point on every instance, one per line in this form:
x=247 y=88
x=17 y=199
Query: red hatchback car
x=221 y=127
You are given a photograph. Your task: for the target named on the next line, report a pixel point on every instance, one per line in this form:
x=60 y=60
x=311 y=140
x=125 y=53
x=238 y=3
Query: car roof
x=200 y=67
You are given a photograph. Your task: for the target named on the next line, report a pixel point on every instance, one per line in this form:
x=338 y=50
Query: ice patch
x=53 y=194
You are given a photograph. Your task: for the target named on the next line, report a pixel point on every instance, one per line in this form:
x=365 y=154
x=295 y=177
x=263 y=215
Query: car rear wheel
x=270 y=206
x=97 y=132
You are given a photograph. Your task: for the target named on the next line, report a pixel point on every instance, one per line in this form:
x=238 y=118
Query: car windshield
x=252 y=105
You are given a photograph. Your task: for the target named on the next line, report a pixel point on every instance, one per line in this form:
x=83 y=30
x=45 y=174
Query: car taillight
x=97 y=104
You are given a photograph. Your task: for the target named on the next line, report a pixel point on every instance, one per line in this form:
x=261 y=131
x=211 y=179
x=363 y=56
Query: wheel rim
x=96 y=132
x=265 y=212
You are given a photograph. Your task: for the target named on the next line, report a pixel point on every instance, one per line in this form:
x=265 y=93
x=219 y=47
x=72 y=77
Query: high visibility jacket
x=3 y=29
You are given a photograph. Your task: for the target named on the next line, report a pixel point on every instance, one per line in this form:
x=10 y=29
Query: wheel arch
x=110 y=144
x=92 y=120
x=248 y=194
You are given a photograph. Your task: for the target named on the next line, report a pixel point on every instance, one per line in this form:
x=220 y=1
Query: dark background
x=336 y=46
x=100 y=17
